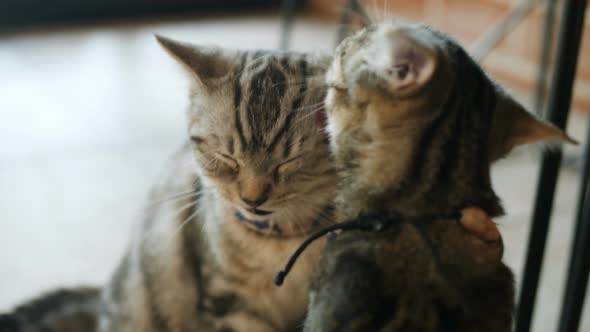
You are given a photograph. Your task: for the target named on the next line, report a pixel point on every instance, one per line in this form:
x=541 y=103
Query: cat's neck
x=280 y=224
x=432 y=180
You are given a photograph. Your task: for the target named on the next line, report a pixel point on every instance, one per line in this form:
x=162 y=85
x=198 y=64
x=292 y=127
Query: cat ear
x=408 y=63
x=204 y=63
x=513 y=126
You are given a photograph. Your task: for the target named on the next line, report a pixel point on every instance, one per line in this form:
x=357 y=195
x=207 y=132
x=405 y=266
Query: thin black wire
x=354 y=224
x=366 y=223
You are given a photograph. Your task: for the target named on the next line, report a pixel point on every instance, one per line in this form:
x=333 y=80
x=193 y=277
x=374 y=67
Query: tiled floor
x=89 y=117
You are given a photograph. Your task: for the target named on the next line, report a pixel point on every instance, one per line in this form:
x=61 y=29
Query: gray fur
x=198 y=268
x=192 y=264
x=417 y=152
x=65 y=310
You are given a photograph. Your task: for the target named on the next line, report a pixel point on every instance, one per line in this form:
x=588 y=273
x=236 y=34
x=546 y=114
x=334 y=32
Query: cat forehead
x=261 y=79
x=292 y=64
x=421 y=34
x=266 y=101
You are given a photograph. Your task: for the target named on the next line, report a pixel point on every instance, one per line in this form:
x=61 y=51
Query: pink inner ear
x=321 y=122
x=412 y=67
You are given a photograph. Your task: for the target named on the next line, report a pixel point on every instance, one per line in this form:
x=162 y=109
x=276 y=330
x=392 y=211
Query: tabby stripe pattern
x=238 y=101
x=437 y=155
x=273 y=84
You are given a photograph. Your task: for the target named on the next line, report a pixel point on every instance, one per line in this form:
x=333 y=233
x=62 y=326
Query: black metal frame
x=579 y=265
x=558 y=105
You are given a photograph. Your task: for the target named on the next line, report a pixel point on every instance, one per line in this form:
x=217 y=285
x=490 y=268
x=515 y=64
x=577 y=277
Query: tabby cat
x=255 y=178
x=410 y=116
x=264 y=179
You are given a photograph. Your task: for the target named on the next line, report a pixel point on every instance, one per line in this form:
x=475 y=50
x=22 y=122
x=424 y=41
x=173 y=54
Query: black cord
x=364 y=222
x=360 y=224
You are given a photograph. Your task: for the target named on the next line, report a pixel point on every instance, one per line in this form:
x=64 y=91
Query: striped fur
x=410 y=116
x=193 y=264
x=66 y=310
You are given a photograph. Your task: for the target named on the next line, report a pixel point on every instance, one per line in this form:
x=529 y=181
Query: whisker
x=152 y=232
x=213 y=160
x=172 y=198
x=183 y=223
x=310 y=106
x=312 y=112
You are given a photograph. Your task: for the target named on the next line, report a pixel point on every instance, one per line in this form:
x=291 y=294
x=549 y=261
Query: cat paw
x=477 y=222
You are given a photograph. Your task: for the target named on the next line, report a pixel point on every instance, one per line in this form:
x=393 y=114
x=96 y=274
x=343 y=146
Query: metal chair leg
x=579 y=265
x=288 y=10
x=557 y=111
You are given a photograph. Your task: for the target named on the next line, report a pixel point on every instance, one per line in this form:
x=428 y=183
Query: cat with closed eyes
x=254 y=180
x=264 y=180
x=414 y=124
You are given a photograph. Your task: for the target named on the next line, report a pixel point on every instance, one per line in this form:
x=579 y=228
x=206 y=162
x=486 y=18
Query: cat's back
x=367 y=280
x=159 y=253
x=391 y=281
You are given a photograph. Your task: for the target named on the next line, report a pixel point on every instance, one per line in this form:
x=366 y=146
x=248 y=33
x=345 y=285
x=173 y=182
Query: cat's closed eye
x=228 y=161
x=290 y=166
x=197 y=140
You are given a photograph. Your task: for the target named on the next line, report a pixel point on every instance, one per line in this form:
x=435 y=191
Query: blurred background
x=91 y=109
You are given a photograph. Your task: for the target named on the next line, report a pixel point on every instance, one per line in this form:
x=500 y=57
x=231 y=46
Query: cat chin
x=254 y=215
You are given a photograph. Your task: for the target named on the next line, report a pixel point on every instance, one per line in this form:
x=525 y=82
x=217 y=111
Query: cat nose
x=255 y=194
x=259 y=201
